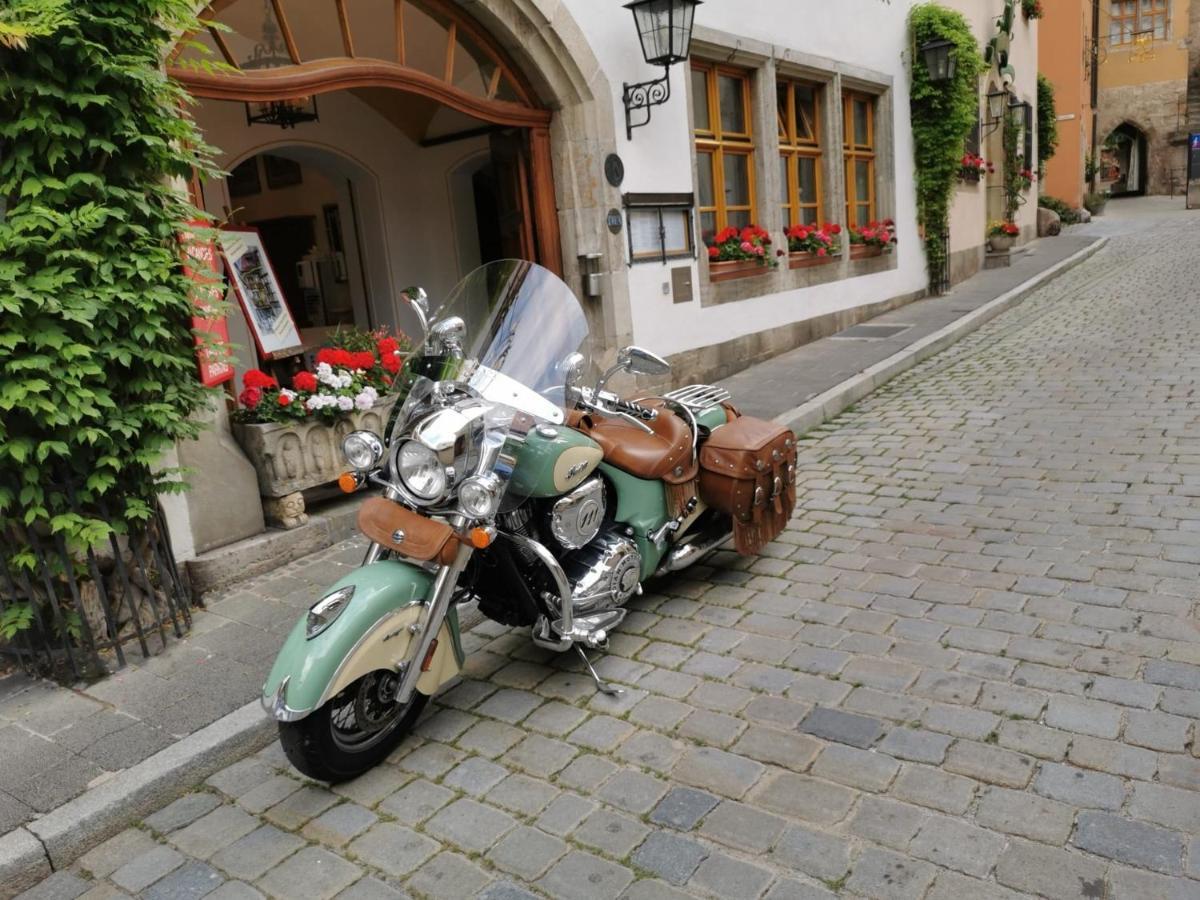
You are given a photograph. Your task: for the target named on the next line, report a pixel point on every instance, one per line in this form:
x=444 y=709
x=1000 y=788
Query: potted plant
x=973 y=167
x=292 y=435
x=812 y=245
x=1032 y=9
x=1002 y=235
x=872 y=239
x=1095 y=201
x=736 y=253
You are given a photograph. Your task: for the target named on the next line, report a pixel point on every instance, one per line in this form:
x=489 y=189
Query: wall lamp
x=940 y=61
x=665 y=31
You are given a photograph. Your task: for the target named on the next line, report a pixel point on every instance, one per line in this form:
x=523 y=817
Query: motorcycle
x=506 y=480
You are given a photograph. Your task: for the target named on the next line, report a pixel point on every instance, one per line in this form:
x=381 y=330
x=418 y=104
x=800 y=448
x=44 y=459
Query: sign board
x=1193 y=172
x=258 y=291
x=208 y=324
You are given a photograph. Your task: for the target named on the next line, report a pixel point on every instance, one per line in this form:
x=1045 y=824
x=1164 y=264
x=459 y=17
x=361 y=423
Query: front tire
x=353 y=732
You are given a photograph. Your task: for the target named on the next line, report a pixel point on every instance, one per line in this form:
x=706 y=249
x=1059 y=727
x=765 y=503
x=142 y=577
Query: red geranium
x=362 y=360
x=391 y=363
x=335 y=357
x=250 y=397
x=713 y=252
x=304 y=381
x=387 y=347
x=284 y=399
x=256 y=378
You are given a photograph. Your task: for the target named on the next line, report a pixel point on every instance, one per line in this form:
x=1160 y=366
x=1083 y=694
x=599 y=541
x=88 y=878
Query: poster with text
x=258 y=291
x=209 y=323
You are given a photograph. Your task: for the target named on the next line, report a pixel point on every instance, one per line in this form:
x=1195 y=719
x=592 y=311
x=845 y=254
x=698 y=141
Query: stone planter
x=290 y=457
x=805 y=260
x=864 y=251
x=735 y=268
x=1001 y=243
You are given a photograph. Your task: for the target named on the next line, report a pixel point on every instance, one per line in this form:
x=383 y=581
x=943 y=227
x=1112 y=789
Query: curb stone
x=55 y=840
x=841 y=397
x=23 y=862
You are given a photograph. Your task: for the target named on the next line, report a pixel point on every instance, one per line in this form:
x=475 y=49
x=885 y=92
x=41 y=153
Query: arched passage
x=1124 y=161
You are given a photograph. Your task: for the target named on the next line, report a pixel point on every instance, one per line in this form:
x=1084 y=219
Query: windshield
x=522 y=323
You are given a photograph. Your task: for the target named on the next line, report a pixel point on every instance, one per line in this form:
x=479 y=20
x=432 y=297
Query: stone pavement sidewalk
x=58 y=742
x=969 y=668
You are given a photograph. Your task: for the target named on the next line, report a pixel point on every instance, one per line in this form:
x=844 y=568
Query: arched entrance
x=409 y=88
x=1124 y=161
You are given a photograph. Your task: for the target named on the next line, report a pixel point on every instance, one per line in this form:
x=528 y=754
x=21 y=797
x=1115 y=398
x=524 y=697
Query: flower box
x=735 y=268
x=863 y=251
x=806 y=260
x=294 y=456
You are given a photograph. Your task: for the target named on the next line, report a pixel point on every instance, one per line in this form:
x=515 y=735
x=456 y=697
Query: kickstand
x=603 y=686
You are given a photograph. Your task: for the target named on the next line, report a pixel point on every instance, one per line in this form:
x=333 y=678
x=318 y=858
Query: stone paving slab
x=976 y=639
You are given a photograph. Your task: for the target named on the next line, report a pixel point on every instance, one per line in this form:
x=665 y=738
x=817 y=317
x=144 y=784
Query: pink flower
x=758 y=251
x=747 y=247
x=822 y=252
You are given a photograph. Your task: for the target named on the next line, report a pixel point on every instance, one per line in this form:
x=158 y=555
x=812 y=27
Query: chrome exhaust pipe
x=684 y=555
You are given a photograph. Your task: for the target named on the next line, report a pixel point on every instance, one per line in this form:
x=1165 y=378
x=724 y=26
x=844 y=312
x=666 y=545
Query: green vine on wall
x=97 y=367
x=1047 y=122
x=943 y=114
x=1015 y=181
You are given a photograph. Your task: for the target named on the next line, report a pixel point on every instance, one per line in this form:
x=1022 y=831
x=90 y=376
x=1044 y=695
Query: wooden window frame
x=718 y=144
x=1138 y=22
x=853 y=153
x=792 y=148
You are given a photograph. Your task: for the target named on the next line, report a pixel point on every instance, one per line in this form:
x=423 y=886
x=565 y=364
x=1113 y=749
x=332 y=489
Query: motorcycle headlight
x=479 y=496
x=362 y=449
x=325 y=611
x=421 y=471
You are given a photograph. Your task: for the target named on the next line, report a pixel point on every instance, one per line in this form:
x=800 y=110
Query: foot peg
x=601 y=685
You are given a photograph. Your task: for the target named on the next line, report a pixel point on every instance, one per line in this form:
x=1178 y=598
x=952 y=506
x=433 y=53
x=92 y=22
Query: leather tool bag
x=406 y=532
x=748 y=469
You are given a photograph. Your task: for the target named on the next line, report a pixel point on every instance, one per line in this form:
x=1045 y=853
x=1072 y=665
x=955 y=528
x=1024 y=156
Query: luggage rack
x=698 y=397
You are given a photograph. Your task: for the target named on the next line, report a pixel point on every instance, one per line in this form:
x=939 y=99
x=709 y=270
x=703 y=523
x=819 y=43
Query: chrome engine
x=605 y=573
x=576 y=518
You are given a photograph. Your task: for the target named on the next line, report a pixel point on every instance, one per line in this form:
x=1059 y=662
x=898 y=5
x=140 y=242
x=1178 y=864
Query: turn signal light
x=348 y=482
x=428 y=661
x=481 y=538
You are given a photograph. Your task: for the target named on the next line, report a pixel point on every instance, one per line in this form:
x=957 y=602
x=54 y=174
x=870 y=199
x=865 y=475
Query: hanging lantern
x=940 y=60
x=664 y=28
x=272 y=53
x=996 y=102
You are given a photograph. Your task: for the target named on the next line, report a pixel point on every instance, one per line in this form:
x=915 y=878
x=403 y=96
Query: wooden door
x=514 y=215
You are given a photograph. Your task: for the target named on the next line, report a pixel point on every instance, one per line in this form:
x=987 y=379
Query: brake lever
x=592 y=405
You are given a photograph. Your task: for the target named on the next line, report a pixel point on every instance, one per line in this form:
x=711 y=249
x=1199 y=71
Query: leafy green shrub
x=1047 y=121
x=97 y=366
x=943 y=114
x=1067 y=213
x=1094 y=202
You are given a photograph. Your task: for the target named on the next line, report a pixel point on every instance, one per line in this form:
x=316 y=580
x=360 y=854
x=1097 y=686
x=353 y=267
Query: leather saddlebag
x=748 y=469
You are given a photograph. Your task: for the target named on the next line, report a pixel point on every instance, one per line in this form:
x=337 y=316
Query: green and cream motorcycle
x=504 y=479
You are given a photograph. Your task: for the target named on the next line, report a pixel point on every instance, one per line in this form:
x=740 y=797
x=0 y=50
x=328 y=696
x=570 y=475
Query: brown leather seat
x=665 y=454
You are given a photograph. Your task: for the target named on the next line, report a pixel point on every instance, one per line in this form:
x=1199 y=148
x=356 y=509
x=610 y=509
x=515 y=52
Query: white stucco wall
x=975 y=204
x=659 y=156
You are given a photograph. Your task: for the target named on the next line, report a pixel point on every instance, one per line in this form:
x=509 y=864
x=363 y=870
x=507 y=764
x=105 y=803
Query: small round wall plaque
x=615 y=221
x=614 y=169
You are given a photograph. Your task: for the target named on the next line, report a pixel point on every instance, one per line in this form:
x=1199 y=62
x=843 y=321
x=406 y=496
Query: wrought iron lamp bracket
x=643 y=96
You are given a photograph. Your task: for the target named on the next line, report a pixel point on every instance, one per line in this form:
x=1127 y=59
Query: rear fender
x=372 y=632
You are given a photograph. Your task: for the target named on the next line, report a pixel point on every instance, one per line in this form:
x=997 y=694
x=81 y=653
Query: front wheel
x=353 y=732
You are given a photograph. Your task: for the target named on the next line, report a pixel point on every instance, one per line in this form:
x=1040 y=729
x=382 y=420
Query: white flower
x=364 y=400
x=345 y=380
x=290 y=394
x=345 y=404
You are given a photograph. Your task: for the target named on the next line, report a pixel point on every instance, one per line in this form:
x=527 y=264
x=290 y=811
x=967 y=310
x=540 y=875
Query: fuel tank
x=553 y=460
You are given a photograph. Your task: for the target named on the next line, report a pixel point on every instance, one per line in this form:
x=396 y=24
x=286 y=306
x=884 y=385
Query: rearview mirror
x=419 y=301
x=643 y=362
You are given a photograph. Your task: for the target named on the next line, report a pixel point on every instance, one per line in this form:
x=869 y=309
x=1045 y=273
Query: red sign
x=210 y=327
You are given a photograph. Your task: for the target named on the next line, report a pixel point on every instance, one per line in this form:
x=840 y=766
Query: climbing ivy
x=1047 y=122
x=97 y=368
x=942 y=116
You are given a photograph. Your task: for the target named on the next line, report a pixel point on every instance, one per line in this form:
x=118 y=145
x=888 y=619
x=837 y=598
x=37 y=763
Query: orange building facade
x=1067 y=57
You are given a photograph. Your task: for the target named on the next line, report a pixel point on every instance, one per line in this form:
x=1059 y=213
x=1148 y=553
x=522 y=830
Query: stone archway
x=1124 y=160
x=560 y=94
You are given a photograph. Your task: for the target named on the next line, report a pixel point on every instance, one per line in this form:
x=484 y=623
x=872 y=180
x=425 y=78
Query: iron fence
x=939 y=275
x=74 y=613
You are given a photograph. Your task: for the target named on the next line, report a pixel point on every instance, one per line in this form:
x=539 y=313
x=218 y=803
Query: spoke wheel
x=353 y=732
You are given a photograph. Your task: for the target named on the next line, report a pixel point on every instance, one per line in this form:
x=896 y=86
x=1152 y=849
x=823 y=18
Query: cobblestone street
x=969 y=669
